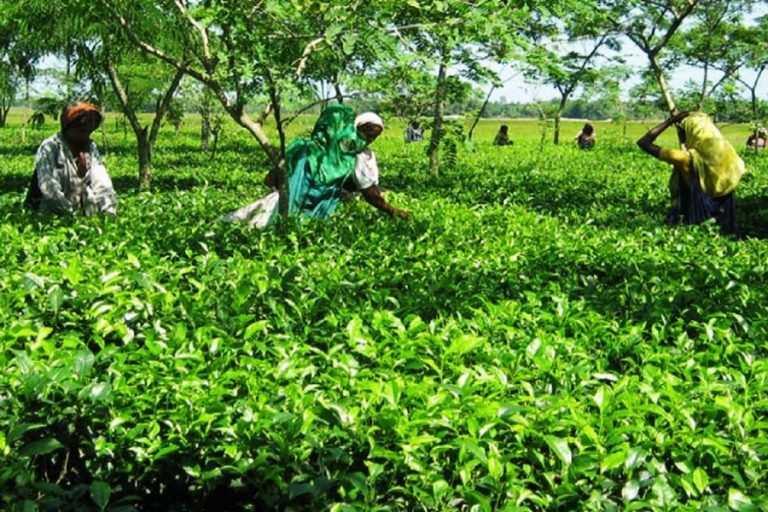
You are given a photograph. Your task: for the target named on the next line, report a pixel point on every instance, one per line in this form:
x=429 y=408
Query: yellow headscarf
x=713 y=158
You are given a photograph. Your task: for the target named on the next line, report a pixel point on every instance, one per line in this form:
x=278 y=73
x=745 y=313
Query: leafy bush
x=532 y=339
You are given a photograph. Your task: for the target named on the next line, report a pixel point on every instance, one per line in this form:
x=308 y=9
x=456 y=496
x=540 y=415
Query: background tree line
x=270 y=61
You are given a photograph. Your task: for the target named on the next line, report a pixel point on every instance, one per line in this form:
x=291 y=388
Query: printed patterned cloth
x=58 y=186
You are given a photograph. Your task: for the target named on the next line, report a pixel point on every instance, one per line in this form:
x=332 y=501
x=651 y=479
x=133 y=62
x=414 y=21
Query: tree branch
x=315 y=103
x=264 y=113
x=308 y=49
x=679 y=17
x=163 y=105
x=207 y=59
x=148 y=48
x=122 y=96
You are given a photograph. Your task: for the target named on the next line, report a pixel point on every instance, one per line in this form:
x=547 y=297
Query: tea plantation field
x=533 y=338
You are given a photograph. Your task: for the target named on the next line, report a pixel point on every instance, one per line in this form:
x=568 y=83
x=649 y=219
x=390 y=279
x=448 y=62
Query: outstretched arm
x=646 y=142
x=373 y=196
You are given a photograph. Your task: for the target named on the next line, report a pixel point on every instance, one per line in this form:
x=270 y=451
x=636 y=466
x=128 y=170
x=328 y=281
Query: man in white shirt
x=366 y=175
x=69 y=174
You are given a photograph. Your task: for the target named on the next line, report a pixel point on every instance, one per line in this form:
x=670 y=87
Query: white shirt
x=63 y=189
x=366 y=170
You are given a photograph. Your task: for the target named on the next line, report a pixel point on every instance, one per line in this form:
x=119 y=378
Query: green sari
x=317 y=166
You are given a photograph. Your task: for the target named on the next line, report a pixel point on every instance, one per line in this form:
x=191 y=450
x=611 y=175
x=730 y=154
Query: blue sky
x=517 y=90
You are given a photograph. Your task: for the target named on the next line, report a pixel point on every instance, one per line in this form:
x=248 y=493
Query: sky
x=516 y=89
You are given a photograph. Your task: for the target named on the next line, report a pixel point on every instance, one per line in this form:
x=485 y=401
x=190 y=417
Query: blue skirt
x=694 y=206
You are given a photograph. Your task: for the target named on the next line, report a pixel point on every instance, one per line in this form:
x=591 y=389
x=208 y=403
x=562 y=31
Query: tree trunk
x=27 y=109
x=543 y=120
x=5 y=107
x=284 y=201
x=68 y=74
x=4 y=114
x=663 y=85
x=703 y=92
x=145 y=137
x=215 y=132
x=339 y=94
x=563 y=101
x=480 y=113
x=437 y=122
x=145 y=159
x=753 y=101
x=753 y=96
x=565 y=94
x=142 y=140
x=104 y=141
x=205 y=128
x=163 y=105
x=256 y=129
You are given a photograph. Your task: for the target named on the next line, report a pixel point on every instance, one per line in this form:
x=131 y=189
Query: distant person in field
x=757 y=141
x=502 y=137
x=69 y=175
x=586 y=137
x=414 y=133
x=318 y=166
x=705 y=172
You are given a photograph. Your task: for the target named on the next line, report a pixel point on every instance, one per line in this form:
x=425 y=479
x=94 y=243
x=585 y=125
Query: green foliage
x=452 y=138
x=36 y=120
x=532 y=339
x=50 y=106
x=175 y=114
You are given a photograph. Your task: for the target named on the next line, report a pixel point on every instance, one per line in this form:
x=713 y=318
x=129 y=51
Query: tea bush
x=532 y=339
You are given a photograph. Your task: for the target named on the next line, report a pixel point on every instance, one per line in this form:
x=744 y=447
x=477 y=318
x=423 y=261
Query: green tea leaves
x=560 y=448
x=41 y=447
x=531 y=339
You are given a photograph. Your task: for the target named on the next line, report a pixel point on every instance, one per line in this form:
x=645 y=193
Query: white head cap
x=369 y=118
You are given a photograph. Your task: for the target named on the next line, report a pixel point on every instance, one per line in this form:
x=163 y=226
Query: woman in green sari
x=317 y=168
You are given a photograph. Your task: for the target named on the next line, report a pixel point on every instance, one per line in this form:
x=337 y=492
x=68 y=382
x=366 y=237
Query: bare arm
x=373 y=196
x=646 y=142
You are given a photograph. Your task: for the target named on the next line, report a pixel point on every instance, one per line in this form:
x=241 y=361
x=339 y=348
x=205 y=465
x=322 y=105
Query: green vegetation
x=532 y=339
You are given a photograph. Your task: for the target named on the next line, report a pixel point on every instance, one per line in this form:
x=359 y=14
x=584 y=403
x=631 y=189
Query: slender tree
x=94 y=53
x=458 y=38
x=651 y=27
x=708 y=43
x=753 y=44
x=246 y=52
x=20 y=52
x=576 y=52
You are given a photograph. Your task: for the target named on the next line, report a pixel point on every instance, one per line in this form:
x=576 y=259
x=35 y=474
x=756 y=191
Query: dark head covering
x=74 y=111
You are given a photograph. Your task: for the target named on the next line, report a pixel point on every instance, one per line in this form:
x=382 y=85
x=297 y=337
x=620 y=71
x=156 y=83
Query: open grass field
x=533 y=338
